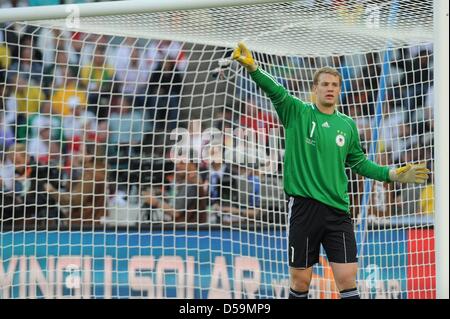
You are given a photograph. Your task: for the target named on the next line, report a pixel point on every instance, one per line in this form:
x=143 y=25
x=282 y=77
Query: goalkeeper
x=320 y=143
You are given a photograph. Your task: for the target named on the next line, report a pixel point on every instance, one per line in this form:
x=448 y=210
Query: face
x=20 y=159
x=99 y=58
x=45 y=133
x=327 y=90
x=192 y=172
x=46 y=107
x=62 y=58
x=26 y=54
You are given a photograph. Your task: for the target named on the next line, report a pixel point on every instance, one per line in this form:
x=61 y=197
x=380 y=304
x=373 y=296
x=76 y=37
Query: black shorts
x=312 y=223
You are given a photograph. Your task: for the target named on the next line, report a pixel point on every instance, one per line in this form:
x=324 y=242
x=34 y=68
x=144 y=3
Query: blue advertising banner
x=157 y=264
x=180 y=264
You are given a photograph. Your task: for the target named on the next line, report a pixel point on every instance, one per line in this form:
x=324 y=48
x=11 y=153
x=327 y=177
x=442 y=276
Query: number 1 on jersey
x=312 y=129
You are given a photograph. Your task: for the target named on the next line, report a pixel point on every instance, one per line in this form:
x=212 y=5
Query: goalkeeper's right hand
x=410 y=173
x=243 y=55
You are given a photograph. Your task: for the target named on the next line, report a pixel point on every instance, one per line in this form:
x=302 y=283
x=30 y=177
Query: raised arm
x=286 y=105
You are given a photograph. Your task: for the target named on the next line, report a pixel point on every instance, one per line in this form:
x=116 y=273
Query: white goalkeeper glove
x=410 y=173
x=243 y=55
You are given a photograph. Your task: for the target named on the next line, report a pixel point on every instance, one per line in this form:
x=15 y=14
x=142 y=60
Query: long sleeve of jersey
x=285 y=105
x=358 y=162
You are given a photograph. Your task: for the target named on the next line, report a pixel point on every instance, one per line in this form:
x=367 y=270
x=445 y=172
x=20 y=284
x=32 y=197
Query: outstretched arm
x=286 y=105
x=358 y=162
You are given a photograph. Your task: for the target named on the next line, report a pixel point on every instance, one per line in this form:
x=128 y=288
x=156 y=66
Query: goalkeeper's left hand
x=410 y=173
x=243 y=55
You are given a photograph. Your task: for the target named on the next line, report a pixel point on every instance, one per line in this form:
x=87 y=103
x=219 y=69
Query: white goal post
x=442 y=154
x=137 y=91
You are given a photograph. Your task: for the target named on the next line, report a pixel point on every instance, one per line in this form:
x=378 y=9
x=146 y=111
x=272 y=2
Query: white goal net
x=138 y=161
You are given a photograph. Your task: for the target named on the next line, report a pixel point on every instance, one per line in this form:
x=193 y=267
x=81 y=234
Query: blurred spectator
x=347 y=72
x=168 y=66
x=25 y=102
x=8 y=102
x=186 y=200
x=251 y=202
x=77 y=43
x=219 y=186
x=256 y=118
x=56 y=73
x=363 y=122
x=28 y=96
x=260 y=121
x=86 y=192
x=418 y=79
x=51 y=42
x=160 y=51
x=5 y=52
x=29 y=65
x=22 y=192
x=192 y=142
x=132 y=73
x=13 y=173
x=395 y=133
x=219 y=183
x=6 y=132
x=90 y=42
x=423 y=116
x=46 y=145
x=68 y=95
x=155 y=208
x=122 y=55
x=371 y=75
x=225 y=119
x=126 y=125
x=101 y=134
x=97 y=76
x=79 y=126
x=246 y=197
x=39 y=146
x=126 y=130
x=157 y=185
x=46 y=114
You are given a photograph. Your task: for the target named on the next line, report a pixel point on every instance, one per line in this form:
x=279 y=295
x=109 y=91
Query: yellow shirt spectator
x=427 y=200
x=5 y=57
x=93 y=77
x=65 y=96
x=29 y=99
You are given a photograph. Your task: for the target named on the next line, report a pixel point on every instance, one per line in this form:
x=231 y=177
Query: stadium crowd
x=81 y=116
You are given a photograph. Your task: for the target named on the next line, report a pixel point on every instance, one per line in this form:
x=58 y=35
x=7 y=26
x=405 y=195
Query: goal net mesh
x=138 y=161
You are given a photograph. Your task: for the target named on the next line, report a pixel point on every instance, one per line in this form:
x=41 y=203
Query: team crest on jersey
x=340 y=140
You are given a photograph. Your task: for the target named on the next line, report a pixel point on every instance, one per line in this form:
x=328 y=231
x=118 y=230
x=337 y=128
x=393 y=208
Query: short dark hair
x=326 y=70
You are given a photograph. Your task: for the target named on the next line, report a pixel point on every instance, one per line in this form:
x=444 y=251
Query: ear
x=314 y=90
x=313 y=97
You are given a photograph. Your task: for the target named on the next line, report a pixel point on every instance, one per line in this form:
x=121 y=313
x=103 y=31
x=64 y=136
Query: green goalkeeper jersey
x=318 y=148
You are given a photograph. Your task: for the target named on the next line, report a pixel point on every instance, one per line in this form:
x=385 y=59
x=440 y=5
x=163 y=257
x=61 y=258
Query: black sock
x=350 y=294
x=297 y=295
